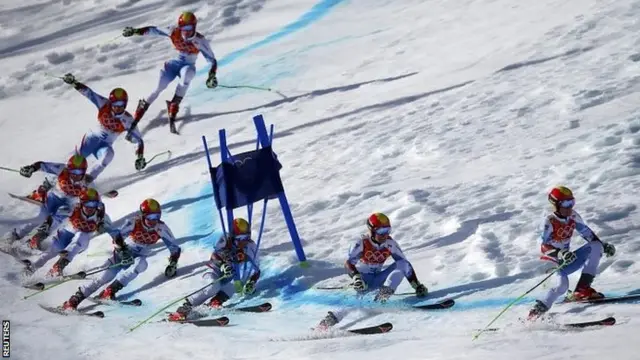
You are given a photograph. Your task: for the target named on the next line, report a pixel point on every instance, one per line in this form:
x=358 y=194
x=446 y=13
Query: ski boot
x=584 y=291
x=173 y=107
x=421 y=290
x=538 y=310
x=217 y=301
x=109 y=293
x=384 y=294
x=181 y=313
x=40 y=194
x=330 y=320
x=142 y=108
x=41 y=233
x=56 y=269
x=74 y=300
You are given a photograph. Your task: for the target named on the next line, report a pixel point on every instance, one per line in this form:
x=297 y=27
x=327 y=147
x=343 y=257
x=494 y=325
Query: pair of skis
x=223 y=320
x=608 y=321
x=387 y=326
x=99 y=314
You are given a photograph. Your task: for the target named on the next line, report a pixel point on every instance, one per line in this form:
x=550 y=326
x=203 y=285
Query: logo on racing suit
x=562 y=231
x=81 y=223
x=141 y=235
x=181 y=45
x=108 y=121
x=371 y=255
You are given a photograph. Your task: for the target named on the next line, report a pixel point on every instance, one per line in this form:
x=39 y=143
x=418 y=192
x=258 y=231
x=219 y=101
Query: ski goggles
x=154 y=216
x=567 y=203
x=91 y=204
x=77 y=171
x=187 y=28
x=383 y=230
x=118 y=106
x=242 y=236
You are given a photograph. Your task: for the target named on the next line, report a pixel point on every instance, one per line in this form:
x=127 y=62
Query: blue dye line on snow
x=317 y=12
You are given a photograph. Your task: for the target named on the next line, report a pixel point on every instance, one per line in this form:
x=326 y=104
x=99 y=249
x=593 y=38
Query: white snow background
x=453 y=117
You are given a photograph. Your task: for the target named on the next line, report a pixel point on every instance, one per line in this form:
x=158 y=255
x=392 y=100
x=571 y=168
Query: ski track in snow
x=454 y=119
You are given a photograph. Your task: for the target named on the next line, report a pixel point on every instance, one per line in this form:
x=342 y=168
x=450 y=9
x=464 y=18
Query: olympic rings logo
x=376 y=257
x=564 y=232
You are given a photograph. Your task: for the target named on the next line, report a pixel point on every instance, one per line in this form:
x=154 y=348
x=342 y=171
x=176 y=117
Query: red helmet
x=118 y=94
x=561 y=197
x=187 y=18
x=89 y=195
x=378 y=220
x=150 y=206
x=241 y=227
x=77 y=162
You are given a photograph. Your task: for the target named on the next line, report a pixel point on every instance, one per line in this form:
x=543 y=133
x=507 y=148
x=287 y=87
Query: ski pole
x=174 y=302
x=53 y=76
x=49 y=287
x=252 y=87
x=78 y=276
x=110 y=41
x=158 y=154
x=82 y=274
x=515 y=301
x=9 y=169
x=332 y=287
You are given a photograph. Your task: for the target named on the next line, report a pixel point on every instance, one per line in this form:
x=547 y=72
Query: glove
x=171 y=269
x=69 y=79
x=212 y=81
x=609 y=249
x=227 y=270
x=358 y=284
x=129 y=31
x=421 y=290
x=101 y=228
x=125 y=256
x=88 y=179
x=141 y=163
x=27 y=171
x=566 y=257
x=249 y=288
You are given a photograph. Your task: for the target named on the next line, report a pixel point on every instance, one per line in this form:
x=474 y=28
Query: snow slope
x=454 y=118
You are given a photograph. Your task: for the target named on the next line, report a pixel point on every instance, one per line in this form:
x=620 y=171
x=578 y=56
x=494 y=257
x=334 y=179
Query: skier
x=132 y=246
x=230 y=252
x=557 y=231
x=73 y=235
x=71 y=181
x=188 y=43
x=370 y=252
x=114 y=120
